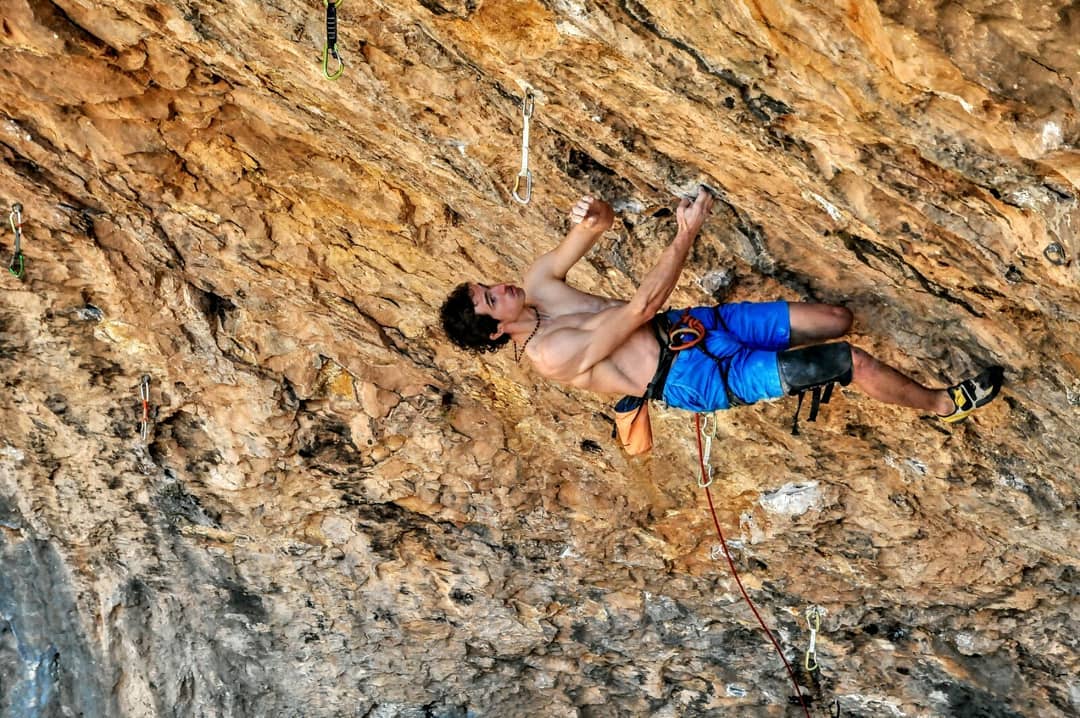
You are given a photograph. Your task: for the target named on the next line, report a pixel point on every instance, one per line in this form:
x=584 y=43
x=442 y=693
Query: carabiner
x=15 y=218
x=528 y=187
x=144 y=395
x=17 y=265
x=676 y=338
x=528 y=105
x=706 y=454
x=687 y=325
x=813 y=622
x=331 y=47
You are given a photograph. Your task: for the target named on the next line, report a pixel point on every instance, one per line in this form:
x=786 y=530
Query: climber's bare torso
x=627 y=370
x=567 y=316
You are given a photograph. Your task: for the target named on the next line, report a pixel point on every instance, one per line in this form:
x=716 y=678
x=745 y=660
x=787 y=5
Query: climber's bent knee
x=802 y=369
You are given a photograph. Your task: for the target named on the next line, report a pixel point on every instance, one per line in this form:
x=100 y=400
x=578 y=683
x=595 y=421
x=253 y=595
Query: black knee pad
x=802 y=369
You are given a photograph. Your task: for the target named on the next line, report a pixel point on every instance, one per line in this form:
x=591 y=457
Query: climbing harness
x=527 y=106
x=815 y=369
x=632 y=423
x=723 y=544
x=331 y=47
x=144 y=395
x=688 y=332
x=17 y=263
x=813 y=622
x=1055 y=253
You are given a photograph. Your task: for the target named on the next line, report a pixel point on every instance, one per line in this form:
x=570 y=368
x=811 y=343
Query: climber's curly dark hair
x=465 y=327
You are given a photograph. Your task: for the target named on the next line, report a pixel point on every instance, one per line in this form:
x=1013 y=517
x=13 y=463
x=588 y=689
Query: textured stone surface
x=336 y=514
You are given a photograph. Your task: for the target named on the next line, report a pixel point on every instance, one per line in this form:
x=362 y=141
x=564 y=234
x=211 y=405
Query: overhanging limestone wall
x=338 y=514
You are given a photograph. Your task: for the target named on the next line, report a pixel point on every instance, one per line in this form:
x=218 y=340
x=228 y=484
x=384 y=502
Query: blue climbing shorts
x=746 y=337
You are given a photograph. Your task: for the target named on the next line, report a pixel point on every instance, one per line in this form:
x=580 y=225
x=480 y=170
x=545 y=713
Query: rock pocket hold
x=1055 y=253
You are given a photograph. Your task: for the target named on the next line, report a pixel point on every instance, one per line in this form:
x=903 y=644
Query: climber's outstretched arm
x=659 y=283
x=589 y=219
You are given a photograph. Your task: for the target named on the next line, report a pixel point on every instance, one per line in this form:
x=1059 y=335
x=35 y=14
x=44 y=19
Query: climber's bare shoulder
x=554 y=297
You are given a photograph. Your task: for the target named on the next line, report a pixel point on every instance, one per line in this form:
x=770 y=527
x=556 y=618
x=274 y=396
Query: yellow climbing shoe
x=972 y=394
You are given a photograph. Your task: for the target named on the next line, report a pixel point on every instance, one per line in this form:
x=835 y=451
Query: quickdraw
x=706 y=479
x=17 y=265
x=528 y=104
x=331 y=47
x=705 y=473
x=144 y=395
x=813 y=622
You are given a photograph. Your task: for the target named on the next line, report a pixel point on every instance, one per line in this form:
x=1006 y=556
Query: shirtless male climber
x=613 y=346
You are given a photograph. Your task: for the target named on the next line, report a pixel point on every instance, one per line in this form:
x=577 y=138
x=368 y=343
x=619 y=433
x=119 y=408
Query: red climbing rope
x=727 y=554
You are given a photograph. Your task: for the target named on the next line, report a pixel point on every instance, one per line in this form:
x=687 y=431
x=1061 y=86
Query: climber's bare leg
x=814 y=323
x=882 y=382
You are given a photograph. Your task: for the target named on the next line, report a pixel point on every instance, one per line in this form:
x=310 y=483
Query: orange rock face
x=337 y=513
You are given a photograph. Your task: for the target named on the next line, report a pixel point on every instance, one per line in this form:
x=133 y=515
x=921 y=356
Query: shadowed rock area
x=335 y=513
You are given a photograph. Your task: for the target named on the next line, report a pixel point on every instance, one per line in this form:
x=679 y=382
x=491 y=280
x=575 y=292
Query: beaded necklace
x=518 y=353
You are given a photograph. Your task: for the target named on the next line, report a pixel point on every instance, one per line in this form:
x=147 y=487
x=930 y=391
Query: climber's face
x=501 y=302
